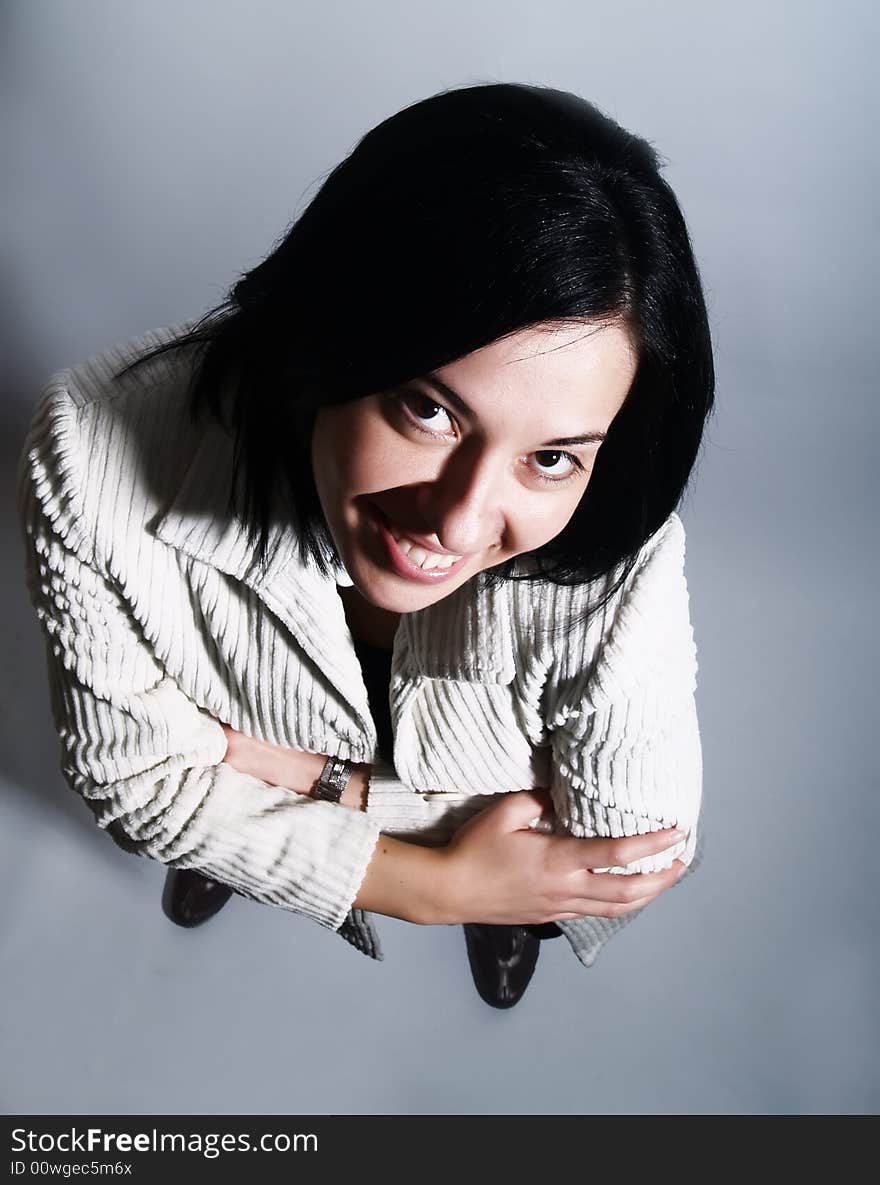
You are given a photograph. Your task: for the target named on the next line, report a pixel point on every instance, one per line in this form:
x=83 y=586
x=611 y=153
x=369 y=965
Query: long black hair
x=463 y=218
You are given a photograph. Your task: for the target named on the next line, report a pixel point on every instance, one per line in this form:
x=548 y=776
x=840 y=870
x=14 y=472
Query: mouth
x=409 y=559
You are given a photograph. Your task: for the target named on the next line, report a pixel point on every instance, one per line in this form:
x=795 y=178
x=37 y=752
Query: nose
x=463 y=504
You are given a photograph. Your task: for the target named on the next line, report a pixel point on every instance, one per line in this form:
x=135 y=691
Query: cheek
x=366 y=462
x=544 y=518
x=343 y=452
x=372 y=457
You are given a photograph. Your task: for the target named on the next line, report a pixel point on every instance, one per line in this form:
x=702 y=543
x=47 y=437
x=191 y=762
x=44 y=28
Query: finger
x=625 y=888
x=610 y=909
x=617 y=853
x=602 y=909
x=522 y=806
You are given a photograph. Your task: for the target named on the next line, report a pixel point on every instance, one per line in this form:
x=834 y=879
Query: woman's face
x=484 y=459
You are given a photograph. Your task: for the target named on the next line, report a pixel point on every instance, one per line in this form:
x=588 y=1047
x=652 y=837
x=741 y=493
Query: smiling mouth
x=424 y=559
x=409 y=558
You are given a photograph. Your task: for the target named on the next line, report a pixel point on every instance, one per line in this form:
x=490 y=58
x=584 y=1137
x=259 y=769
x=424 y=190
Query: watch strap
x=334 y=778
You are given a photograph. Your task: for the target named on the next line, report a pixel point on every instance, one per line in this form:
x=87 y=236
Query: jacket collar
x=467 y=636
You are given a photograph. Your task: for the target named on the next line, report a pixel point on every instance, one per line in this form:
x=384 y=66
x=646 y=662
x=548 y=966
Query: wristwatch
x=333 y=780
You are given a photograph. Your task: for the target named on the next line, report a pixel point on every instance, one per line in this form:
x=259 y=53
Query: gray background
x=154 y=151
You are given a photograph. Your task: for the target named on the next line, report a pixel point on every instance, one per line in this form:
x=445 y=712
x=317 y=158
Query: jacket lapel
x=467 y=636
x=199 y=523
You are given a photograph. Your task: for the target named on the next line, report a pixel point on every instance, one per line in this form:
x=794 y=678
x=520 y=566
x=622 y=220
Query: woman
x=365 y=593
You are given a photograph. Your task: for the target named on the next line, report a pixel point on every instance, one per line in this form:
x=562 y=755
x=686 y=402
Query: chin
x=394 y=595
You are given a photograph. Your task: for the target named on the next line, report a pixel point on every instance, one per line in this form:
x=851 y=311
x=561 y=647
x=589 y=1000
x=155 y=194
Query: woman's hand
x=499 y=871
x=292 y=769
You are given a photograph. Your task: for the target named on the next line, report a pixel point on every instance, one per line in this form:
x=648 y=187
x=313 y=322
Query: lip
x=402 y=564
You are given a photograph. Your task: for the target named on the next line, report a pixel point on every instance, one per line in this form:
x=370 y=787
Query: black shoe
x=502 y=960
x=189 y=899
x=545 y=930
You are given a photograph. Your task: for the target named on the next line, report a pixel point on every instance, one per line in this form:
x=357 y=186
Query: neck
x=368 y=623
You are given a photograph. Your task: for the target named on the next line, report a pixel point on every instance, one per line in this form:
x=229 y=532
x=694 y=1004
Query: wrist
x=354 y=796
x=295 y=769
x=403 y=880
x=438 y=903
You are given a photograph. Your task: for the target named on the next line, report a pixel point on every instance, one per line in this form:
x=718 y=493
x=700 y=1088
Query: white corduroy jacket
x=160 y=624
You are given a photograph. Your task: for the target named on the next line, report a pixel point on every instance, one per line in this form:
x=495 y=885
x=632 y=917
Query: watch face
x=333 y=780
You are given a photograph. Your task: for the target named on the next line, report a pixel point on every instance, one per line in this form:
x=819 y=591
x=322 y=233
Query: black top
x=376 y=666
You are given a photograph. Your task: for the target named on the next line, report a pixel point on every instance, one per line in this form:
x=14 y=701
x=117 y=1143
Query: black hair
x=466 y=217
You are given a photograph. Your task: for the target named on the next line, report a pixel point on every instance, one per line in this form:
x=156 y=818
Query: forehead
x=547 y=375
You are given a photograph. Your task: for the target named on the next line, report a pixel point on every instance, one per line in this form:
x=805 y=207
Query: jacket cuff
x=427 y=818
x=333 y=891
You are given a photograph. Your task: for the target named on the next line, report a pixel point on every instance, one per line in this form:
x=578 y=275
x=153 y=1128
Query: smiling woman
x=420 y=497
x=365 y=593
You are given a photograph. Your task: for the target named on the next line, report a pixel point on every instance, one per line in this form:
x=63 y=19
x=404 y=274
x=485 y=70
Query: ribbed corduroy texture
x=159 y=625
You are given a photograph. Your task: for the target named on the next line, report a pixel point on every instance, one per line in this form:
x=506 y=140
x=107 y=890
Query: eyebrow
x=460 y=406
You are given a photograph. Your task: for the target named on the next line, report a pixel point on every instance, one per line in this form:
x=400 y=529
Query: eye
x=549 y=461
x=425 y=413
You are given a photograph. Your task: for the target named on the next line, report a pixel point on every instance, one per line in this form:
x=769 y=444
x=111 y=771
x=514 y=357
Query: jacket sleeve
x=625 y=743
x=149 y=762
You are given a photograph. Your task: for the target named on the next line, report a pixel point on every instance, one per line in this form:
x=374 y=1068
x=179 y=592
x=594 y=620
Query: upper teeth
x=425 y=559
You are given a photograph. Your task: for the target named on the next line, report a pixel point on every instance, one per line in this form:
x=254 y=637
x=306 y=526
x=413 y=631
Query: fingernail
x=540 y=824
x=676 y=835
